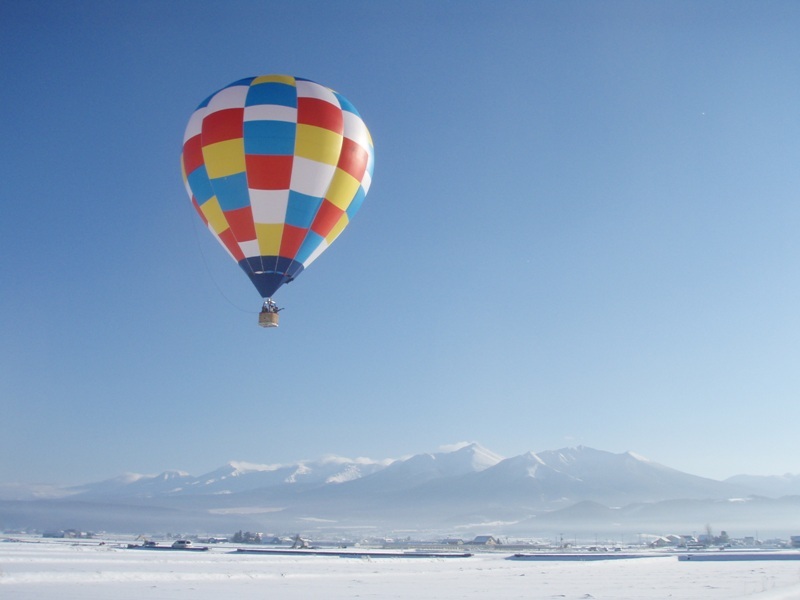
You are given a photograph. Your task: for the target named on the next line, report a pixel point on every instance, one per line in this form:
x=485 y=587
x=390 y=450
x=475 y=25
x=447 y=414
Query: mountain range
x=468 y=489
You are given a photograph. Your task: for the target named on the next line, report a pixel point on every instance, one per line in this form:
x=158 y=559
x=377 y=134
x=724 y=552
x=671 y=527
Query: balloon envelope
x=276 y=166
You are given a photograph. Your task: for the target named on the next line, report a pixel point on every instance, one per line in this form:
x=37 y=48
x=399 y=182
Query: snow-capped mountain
x=234 y=477
x=463 y=484
x=627 y=477
x=420 y=469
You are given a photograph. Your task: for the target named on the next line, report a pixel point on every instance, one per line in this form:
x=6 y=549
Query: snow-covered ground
x=87 y=570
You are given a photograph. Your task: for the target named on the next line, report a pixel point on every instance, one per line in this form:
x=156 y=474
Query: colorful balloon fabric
x=276 y=166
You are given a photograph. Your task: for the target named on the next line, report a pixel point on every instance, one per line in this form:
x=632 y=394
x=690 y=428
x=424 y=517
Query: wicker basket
x=268 y=319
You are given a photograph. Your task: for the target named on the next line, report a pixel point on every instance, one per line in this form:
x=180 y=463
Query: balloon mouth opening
x=268 y=273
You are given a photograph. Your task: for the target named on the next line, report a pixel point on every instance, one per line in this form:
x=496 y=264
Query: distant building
x=668 y=540
x=278 y=540
x=66 y=533
x=486 y=540
x=453 y=541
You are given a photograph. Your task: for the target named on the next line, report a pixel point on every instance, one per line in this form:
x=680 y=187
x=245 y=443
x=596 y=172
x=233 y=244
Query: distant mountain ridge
x=773 y=486
x=448 y=489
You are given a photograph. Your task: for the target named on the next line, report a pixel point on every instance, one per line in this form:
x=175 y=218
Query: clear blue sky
x=582 y=229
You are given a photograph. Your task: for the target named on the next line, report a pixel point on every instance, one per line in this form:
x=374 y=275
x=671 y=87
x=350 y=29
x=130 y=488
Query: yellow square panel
x=343 y=189
x=287 y=79
x=269 y=238
x=212 y=211
x=224 y=158
x=316 y=143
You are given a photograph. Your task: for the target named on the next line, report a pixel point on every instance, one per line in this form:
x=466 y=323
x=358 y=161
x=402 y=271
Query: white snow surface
x=62 y=570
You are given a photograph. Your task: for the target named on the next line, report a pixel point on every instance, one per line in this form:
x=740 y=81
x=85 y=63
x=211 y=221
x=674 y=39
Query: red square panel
x=192 y=154
x=313 y=111
x=327 y=217
x=292 y=239
x=268 y=172
x=353 y=159
x=241 y=222
x=223 y=125
x=229 y=240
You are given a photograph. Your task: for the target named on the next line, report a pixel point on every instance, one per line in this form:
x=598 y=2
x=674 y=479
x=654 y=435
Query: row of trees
x=247 y=537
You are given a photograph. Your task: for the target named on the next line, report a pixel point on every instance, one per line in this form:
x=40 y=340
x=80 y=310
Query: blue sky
x=582 y=230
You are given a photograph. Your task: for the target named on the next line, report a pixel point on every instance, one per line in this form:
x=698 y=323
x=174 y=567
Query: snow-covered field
x=87 y=570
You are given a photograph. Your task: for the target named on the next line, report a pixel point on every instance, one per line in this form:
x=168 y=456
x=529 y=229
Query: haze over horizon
x=581 y=230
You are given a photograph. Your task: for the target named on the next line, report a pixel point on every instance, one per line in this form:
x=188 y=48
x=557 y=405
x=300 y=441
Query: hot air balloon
x=276 y=166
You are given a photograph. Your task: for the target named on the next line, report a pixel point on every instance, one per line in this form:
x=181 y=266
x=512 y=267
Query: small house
x=486 y=540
